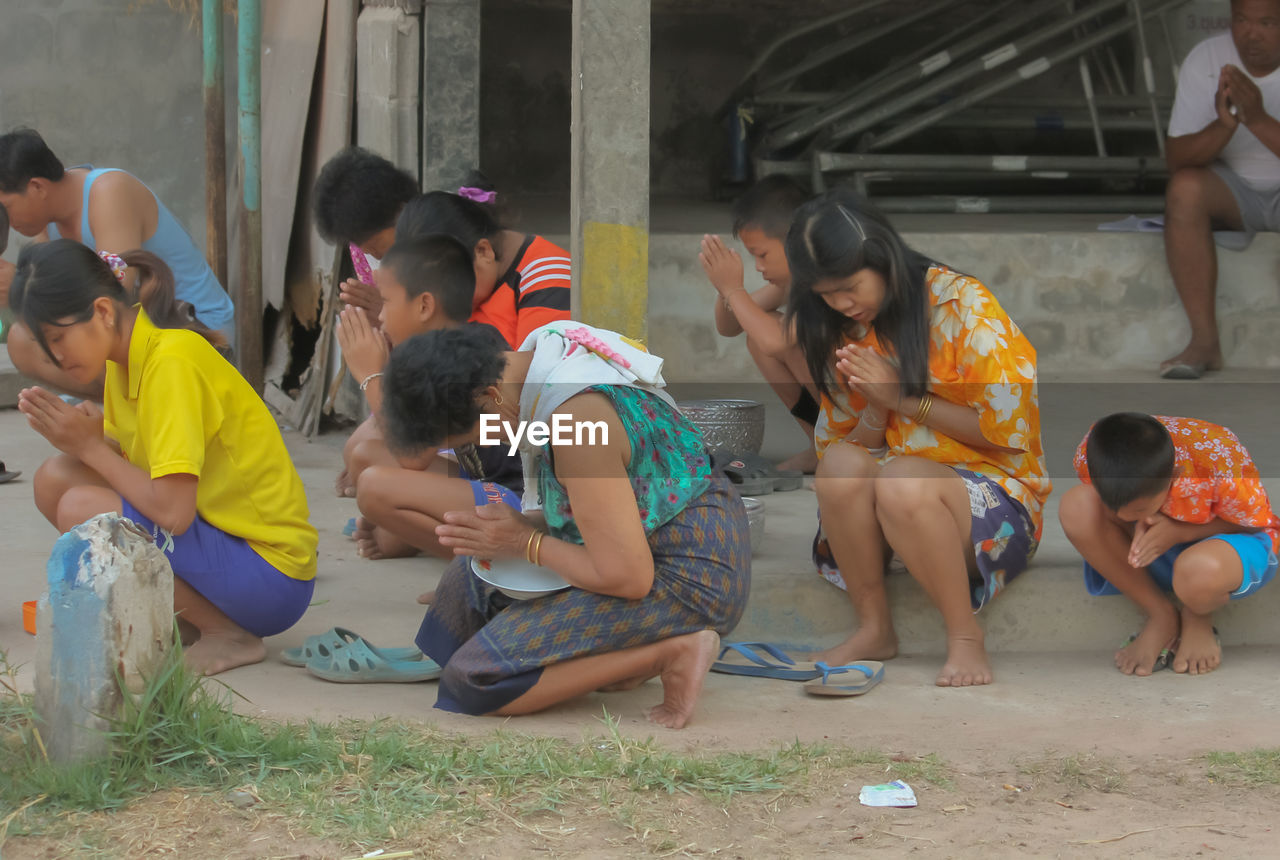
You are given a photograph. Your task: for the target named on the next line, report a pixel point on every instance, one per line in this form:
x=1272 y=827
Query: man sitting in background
x=1224 y=165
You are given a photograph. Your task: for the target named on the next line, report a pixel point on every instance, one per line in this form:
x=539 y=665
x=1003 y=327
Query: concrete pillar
x=450 y=92
x=609 y=164
x=387 y=45
x=107 y=617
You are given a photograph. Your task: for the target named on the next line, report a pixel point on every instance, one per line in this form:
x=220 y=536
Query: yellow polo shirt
x=180 y=408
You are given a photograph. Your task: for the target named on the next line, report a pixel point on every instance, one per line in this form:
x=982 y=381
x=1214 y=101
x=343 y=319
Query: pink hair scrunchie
x=479 y=195
x=116 y=262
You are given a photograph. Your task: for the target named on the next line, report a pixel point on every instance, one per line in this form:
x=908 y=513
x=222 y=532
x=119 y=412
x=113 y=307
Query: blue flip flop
x=866 y=674
x=762 y=660
x=350 y=528
x=324 y=644
x=358 y=662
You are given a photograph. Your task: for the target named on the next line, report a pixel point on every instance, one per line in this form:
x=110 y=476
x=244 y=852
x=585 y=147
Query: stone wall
x=113 y=82
x=1087 y=301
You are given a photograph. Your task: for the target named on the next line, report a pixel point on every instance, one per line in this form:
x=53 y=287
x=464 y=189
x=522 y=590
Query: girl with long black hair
x=929 y=435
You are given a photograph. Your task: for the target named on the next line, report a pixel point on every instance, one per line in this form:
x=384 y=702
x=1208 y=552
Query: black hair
x=834 y=236
x=4 y=229
x=25 y=156
x=436 y=264
x=432 y=385
x=358 y=194
x=464 y=219
x=60 y=280
x=768 y=205
x=1130 y=457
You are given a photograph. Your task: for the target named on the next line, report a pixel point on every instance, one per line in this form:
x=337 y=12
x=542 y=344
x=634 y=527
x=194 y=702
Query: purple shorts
x=227 y=572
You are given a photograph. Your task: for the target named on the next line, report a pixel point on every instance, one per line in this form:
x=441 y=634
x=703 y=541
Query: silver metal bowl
x=737 y=425
x=755 y=519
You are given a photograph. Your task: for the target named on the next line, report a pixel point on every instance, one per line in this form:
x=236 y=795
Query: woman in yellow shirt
x=183 y=446
x=929 y=435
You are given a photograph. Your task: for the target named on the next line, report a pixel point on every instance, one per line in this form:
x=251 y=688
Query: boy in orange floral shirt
x=1170 y=504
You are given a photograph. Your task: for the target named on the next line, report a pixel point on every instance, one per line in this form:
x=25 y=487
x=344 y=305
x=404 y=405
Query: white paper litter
x=896 y=793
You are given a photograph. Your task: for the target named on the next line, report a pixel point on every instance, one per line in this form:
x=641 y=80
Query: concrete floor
x=1064 y=698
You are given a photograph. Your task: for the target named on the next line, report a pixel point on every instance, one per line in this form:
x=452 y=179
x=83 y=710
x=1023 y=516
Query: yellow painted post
x=609 y=168
x=614 y=286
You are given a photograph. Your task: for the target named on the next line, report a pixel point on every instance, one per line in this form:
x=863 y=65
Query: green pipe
x=249 y=47
x=249 y=297
x=215 y=141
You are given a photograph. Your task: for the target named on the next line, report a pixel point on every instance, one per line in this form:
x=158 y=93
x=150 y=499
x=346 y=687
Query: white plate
x=517 y=578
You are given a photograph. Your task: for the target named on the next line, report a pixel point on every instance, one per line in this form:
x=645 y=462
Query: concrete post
x=609 y=165
x=450 y=92
x=107 y=617
x=387 y=45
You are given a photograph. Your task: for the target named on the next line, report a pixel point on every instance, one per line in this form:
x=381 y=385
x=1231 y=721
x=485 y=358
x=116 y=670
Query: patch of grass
x=360 y=781
x=1078 y=772
x=1253 y=767
x=921 y=768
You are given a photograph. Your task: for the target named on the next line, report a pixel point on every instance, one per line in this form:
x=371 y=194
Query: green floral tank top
x=669 y=463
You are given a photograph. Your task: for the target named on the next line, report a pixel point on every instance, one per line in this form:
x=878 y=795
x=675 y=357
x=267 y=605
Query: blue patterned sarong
x=493 y=648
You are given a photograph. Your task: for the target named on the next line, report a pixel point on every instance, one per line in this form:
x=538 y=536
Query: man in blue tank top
x=108 y=210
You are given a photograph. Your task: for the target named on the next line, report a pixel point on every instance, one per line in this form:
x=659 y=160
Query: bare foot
x=806 y=461
x=682 y=675
x=1198 y=357
x=343 y=487
x=189 y=633
x=864 y=644
x=967 y=664
x=375 y=542
x=1199 y=653
x=219 y=650
x=427 y=598
x=1139 y=656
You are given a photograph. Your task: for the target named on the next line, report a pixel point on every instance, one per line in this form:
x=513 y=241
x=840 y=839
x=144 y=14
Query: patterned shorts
x=1002 y=532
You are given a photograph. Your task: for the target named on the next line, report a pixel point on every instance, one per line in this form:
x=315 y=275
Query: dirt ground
x=1143 y=739
x=1161 y=808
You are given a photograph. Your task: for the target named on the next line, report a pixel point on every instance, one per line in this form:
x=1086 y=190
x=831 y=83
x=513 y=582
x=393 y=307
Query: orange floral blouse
x=979 y=358
x=1213 y=478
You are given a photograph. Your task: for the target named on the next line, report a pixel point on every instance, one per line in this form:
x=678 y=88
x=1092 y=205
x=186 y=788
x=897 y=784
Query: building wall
x=112 y=82
x=697 y=58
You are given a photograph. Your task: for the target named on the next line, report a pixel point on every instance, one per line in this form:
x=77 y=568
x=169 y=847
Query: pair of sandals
x=766 y=660
x=345 y=657
x=753 y=475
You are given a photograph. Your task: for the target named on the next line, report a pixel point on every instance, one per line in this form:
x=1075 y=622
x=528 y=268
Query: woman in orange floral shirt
x=929 y=436
x=1170 y=504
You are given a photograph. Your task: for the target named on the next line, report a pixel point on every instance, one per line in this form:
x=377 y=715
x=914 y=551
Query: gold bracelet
x=528 y=548
x=922 y=411
x=537 y=549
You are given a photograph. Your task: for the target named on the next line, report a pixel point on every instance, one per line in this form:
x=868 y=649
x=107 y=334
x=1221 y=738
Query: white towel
x=569 y=357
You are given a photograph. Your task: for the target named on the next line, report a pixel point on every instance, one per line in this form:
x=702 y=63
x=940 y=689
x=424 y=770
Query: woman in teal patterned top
x=653 y=542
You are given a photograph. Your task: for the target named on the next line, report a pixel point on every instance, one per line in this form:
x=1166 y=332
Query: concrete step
x=1088 y=301
x=1045 y=609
